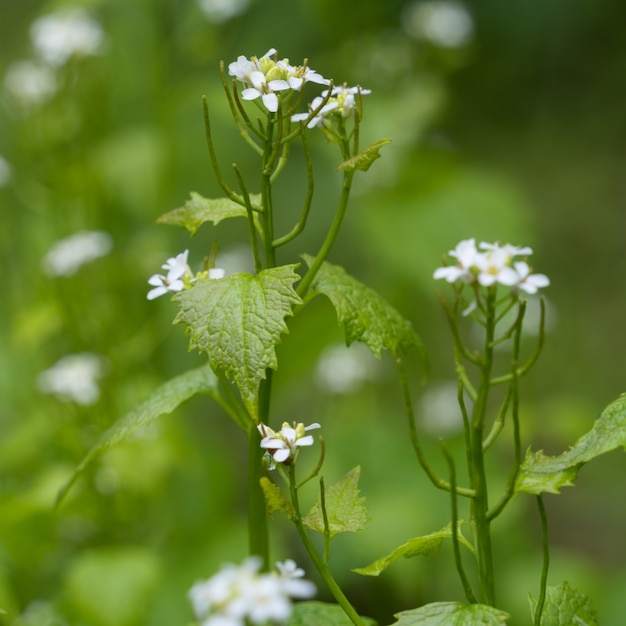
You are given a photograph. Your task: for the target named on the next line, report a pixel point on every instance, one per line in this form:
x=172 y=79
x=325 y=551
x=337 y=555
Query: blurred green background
x=508 y=123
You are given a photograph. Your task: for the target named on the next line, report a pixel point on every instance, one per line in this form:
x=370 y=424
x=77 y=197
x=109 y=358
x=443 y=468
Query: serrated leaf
x=322 y=614
x=274 y=498
x=198 y=210
x=564 y=606
x=452 y=614
x=546 y=474
x=345 y=508
x=364 y=314
x=419 y=546
x=238 y=321
x=160 y=402
x=365 y=158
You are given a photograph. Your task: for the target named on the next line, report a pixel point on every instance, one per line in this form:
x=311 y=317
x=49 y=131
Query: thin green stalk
x=438 y=482
x=325 y=520
x=320 y=565
x=254 y=246
x=258 y=532
x=480 y=502
x=546 y=560
x=267 y=218
x=305 y=283
x=456 y=547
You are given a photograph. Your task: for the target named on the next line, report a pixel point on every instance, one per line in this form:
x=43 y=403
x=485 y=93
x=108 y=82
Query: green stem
x=258 y=534
x=319 y=563
x=546 y=560
x=267 y=217
x=467 y=588
x=438 y=482
x=480 y=502
x=305 y=283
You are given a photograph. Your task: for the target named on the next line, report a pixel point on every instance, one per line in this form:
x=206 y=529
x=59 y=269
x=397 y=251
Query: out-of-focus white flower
x=321 y=111
x=219 y=11
x=73 y=378
x=439 y=409
x=5 y=171
x=494 y=267
x=30 y=83
x=342 y=370
x=342 y=101
x=177 y=270
x=444 y=23
x=283 y=445
x=466 y=255
x=345 y=97
x=530 y=283
x=240 y=595
x=71 y=31
x=67 y=255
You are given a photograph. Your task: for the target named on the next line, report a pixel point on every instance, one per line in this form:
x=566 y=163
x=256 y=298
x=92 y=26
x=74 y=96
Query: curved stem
x=320 y=565
x=438 y=482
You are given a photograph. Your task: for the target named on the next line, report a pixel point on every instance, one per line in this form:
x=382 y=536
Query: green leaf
x=322 y=614
x=365 y=158
x=238 y=321
x=452 y=614
x=545 y=474
x=419 y=546
x=198 y=210
x=364 y=314
x=274 y=498
x=345 y=509
x=564 y=606
x=162 y=401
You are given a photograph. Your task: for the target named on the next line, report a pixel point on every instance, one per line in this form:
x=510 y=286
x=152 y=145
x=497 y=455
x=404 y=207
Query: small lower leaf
x=364 y=159
x=546 y=474
x=345 y=508
x=322 y=614
x=452 y=614
x=274 y=499
x=162 y=401
x=419 y=546
x=564 y=606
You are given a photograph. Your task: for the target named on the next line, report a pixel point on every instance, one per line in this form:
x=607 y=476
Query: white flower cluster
x=283 y=446
x=241 y=595
x=265 y=77
x=67 y=255
x=179 y=276
x=74 y=378
x=341 y=102
x=492 y=264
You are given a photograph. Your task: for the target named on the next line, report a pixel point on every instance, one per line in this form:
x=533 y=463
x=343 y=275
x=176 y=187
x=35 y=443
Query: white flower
x=73 y=378
x=300 y=74
x=345 y=97
x=30 y=83
x=237 y=596
x=494 y=267
x=466 y=255
x=264 y=89
x=321 y=112
x=58 y=36
x=177 y=270
x=283 y=445
x=70 y=253
x=530 y=283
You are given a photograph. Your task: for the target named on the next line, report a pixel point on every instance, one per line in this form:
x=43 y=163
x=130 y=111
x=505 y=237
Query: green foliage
x=111 y=587
x=238 y=321
x=419 y=546
x=564 y=606
x=345 y=508
x=452 y=614
x=322 y=613
x=199 y=210
x=275 y=499
x=364 y=159
x=364 y=314
x=161 y=402
x=545 y=474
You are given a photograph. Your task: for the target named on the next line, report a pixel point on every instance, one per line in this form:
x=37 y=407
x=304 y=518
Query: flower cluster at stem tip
x=179 y=276
x=283 y=446
x=266 y=77
x=241 y=595
x=492 y=264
